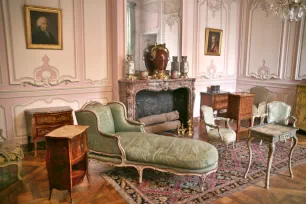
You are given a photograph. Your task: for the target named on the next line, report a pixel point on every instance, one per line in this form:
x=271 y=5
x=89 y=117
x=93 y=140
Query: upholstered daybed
x=115 y=140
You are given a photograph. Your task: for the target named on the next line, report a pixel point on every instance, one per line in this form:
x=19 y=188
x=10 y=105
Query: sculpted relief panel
x=219 y=15
x=264 y=48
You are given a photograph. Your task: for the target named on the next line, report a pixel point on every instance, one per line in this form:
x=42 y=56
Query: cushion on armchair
x=278 y=112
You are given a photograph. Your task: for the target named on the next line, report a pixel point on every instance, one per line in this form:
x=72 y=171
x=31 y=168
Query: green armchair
x=115 y=140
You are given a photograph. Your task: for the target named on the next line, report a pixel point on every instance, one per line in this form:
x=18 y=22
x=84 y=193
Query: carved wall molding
x=19 y=122
x=129 y=89
x=301 y=53
x=45 y=76
x=263 y=73
x=108 y=79
x=212 y=72
x=11 y=47
x=214 y=7
x=172 y=7
x=202 y=6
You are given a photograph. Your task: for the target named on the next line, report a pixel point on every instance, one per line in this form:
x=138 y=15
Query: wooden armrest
x=227 y=120
x=294 y=120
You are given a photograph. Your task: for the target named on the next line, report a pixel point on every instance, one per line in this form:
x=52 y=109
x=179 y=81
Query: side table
x=41 y=121
x=218 y=101
x=240 y=107
x=67 y=157
x=272 y=133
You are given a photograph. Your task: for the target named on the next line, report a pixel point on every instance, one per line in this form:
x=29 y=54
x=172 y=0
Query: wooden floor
x=35 y=187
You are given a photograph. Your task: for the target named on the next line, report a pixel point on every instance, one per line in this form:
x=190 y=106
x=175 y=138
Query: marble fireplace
x=151 y=97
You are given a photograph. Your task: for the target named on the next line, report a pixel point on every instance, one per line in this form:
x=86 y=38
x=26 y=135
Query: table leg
x=271 y=152
x=250 y=155
x=295 y=141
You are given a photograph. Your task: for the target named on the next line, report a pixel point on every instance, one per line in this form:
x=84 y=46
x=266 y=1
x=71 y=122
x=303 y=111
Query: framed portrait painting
x=213 y=41
x=43 y=27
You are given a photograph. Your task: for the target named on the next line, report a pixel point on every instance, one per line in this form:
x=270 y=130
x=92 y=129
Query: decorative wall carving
x=223 y=15
x=263 y=45
x=263 y=73
x=129 y=89
x=172 y=7
x=45 y=76
x=214 y=7
x=212 y=72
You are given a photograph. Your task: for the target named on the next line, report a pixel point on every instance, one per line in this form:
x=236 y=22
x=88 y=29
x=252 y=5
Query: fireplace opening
x=153 y=103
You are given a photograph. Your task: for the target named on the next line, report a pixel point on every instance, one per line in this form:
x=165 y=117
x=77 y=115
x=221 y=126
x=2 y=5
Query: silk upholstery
x=278 y=112
x=163 y=150
x=141 y=148
x=214 y=132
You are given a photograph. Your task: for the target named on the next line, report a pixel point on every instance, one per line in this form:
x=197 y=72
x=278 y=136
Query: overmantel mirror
x=150 y=22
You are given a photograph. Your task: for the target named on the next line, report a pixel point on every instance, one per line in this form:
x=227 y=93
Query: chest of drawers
x=218 y=101
x=41 y=121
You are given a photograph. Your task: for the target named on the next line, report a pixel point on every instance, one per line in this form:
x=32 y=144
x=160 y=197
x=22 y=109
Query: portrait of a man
x=213 y=41
x=43 y=27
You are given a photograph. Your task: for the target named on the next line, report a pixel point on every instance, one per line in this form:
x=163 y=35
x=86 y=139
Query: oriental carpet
x=160 y=187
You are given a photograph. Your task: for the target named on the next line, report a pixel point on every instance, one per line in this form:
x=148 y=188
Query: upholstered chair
x=260 y=103
x=216 y=133
x=279 y=112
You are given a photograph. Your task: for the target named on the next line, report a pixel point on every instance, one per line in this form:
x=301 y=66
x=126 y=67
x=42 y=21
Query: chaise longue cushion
x=169 y=151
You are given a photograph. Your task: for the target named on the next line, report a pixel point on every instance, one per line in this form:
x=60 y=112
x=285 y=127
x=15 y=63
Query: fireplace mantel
x=128 y=90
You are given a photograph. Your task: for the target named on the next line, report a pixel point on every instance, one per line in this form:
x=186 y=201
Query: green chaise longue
x=115 y=140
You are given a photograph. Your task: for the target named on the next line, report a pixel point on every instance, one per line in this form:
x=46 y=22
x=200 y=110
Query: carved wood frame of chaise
x=117 y=141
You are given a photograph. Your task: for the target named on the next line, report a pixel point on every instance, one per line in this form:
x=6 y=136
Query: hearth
x=151 y=97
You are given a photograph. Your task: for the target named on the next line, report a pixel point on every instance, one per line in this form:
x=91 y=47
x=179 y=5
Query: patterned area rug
x=160 y=187
x=8 y=174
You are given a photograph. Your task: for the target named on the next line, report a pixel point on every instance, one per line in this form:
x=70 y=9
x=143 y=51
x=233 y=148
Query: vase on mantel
x=175 y=68
x=160 y=58
x=184 y=67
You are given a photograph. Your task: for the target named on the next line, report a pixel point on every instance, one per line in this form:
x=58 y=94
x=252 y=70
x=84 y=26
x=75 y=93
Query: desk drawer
x=219 y=98
x=40 y=132
x=220 y=105
x=53 y=118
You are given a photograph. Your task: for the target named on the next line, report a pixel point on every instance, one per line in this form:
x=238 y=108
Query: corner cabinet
x=300 y=108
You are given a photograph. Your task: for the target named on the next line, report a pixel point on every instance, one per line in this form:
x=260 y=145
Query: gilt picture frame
x=43 y=27
x=213 y=42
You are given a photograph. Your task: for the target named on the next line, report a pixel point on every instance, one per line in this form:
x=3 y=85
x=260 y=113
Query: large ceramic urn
x=160 y=58
x=148 y=59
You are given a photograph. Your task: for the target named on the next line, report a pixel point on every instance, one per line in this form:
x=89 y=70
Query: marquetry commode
x=41 y=121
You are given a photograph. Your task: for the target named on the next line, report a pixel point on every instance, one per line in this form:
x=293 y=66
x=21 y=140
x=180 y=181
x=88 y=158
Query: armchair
x=115 y=140
x=10 y=154
x=260 y=103
x=216 y=133
x=279 y=112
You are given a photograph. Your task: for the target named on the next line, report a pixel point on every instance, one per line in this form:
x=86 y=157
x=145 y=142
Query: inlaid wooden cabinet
x=218 y=101
x=240 y=106
x=300 y=108
x=67 y=157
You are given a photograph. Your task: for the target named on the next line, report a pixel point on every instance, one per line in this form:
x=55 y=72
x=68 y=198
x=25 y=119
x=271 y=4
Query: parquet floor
x=35 y=187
